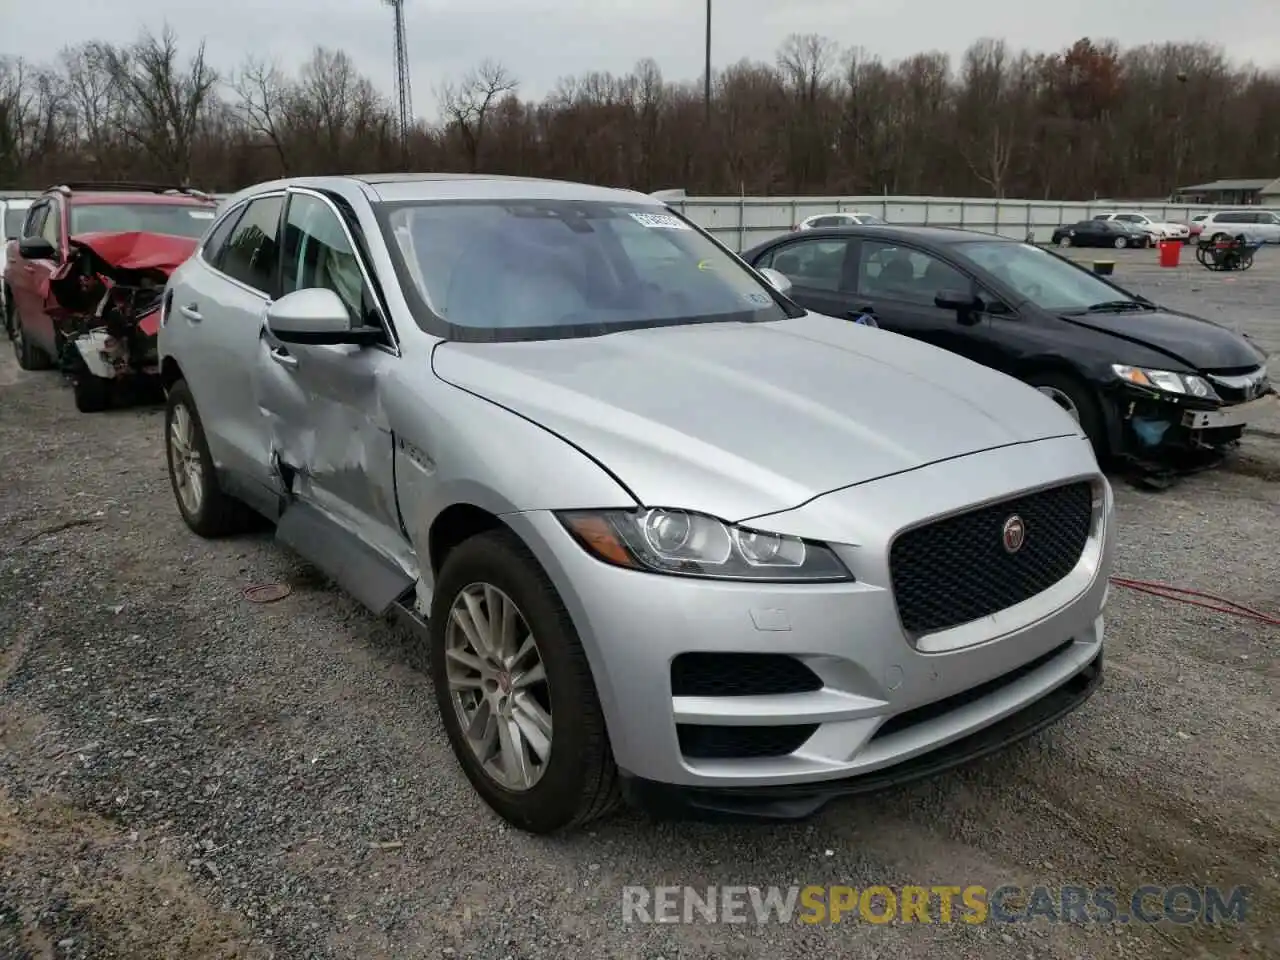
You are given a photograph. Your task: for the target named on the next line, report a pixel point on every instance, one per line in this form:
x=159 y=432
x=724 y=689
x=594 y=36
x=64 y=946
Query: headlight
x=1187 y=384
x=695 y=545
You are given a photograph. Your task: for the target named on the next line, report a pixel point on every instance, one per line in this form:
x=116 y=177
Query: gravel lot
x=187 y=775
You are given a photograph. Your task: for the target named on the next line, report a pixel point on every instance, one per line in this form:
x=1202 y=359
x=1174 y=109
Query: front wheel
x=515 y=691
x=1064 y=241
x=1078 y=400
x=29 y=356
x=93 y=394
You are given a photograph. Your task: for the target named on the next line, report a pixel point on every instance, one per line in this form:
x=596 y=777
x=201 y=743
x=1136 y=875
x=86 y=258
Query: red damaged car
x=84 y=281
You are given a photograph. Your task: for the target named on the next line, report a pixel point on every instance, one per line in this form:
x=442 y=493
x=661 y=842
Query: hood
x=135 y=250
x=1192 y=341
x=132 y=267
x=740 y=420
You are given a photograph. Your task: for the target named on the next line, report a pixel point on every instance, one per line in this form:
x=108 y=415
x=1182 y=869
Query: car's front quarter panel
x=454 y=448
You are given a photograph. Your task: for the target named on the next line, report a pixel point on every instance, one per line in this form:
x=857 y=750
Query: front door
x=32 y=290
x=901 y=283
x=329 y=435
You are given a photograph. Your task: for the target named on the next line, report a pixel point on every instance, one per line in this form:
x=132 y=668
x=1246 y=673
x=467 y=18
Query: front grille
x=957 y=570
x=740 y=675
x=1241 y=388
x=704 y=742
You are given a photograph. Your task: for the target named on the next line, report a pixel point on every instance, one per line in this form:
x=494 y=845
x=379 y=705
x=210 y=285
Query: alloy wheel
x=498 y=685
x=1062 y=400
x=188 y=471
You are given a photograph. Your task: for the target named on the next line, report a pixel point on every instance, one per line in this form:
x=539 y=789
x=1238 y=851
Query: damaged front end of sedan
x=1170 y=423
x=105 y=301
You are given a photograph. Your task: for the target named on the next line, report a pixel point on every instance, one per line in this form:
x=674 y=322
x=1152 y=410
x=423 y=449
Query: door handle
x=191 y=313
x=282 y=356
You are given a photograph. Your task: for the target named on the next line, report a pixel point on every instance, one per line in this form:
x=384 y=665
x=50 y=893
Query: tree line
x=1092 y=120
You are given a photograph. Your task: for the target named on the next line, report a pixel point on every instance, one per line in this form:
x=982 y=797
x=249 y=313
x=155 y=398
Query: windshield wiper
x=1109 y=305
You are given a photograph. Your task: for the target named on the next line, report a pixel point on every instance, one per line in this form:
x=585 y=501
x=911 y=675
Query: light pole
x=706 y=90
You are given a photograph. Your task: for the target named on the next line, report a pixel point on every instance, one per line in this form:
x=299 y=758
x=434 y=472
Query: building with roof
x=1231 y=192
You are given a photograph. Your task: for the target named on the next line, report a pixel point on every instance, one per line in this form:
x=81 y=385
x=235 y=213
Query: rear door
x=819 y=271
x=218 y=308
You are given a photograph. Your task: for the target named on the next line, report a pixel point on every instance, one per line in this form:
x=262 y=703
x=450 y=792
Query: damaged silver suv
x=663 y=534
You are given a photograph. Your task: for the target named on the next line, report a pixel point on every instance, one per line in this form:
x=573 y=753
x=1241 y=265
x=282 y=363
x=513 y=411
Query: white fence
x=742 y=222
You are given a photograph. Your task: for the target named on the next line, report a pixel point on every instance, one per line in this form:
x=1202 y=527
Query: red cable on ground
x=1183 y=595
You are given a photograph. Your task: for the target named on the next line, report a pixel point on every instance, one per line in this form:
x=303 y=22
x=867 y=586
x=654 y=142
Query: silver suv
x=663 y=534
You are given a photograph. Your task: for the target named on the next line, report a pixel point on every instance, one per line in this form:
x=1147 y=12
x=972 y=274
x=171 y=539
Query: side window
x=253 y=249
x=216 y=245
x=51 y=229
x=816 y=264
x=900 y=273
x=829 y=222
x=317 y=253
x=1103 y=216
x=1229 y=218
x=34 y=227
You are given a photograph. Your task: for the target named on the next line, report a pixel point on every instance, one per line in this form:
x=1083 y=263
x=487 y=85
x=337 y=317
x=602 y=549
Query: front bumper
x=871 y=712
x=1145 y=424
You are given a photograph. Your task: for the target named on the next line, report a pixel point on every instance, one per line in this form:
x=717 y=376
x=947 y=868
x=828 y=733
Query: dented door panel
x=330 y=441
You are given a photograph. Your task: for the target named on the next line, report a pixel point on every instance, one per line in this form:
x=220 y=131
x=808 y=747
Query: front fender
x=453 y=447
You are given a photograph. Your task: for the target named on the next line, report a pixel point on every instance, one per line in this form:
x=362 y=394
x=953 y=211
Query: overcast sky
x=542 y=40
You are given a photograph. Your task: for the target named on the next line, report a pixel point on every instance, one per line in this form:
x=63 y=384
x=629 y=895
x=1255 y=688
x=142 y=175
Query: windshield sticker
x=659 y=221
x=761 y=299
x=200 y=214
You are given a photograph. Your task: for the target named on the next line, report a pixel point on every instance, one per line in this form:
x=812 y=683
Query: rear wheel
x=207 y=510
x=1078 y=400
x=1121 y=243
x=514 y=689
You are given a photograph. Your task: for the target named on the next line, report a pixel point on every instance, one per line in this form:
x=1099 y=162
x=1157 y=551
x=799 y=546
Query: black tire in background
x=93 y=394
x=580 y=781
x=1083 y=400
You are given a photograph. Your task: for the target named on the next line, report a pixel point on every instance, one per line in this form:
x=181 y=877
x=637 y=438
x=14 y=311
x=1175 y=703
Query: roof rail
x=128 y=186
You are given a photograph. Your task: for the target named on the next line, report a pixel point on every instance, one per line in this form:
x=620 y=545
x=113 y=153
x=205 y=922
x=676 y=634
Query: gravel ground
x=187 y=775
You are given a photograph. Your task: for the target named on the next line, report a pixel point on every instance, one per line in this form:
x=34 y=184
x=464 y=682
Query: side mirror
x=316 y=316
x=36 y=248
x=779 y=281
x=958 y=301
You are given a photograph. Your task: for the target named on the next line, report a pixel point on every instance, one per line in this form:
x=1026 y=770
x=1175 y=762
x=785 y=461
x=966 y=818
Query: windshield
x=526 y=269
x=1047 y=280
x=14 y=217
x=180 y=220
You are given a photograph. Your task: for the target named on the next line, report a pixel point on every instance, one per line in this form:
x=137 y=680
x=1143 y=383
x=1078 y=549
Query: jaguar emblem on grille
x=1014 y=534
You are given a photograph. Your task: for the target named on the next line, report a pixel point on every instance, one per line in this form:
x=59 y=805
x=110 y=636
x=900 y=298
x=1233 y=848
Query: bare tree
x=163 y=102
x=467 y=105
x=263 y=94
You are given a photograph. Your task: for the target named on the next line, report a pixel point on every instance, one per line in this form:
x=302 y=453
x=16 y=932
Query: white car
x=1158 y=229
x=13 y=212
x=846 y=218
x=1260 y=225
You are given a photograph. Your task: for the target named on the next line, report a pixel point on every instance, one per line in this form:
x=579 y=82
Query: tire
x=29 y=356
x=578 y=782
x=93 y=394
x=1064 y=241
x=1065 y=389
x=1121 y=243
x=1218 y=238
x=212 y=513
x=9 y=312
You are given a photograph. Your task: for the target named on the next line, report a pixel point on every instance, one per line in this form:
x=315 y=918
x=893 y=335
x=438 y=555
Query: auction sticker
x=659 y=221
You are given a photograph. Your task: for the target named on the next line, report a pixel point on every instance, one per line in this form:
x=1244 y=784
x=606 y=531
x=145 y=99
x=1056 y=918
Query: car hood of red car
x=136 y=250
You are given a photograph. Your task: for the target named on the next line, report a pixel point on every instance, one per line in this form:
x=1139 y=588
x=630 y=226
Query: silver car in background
x=663 y=535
